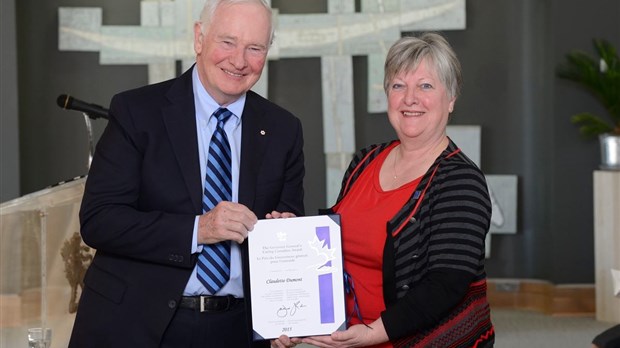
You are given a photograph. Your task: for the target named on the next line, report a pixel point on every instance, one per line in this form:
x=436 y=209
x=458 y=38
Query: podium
x=42 y=263
x=606 y=243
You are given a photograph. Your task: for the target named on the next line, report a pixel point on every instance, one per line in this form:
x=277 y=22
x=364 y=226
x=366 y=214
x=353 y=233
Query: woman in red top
x=414 y=214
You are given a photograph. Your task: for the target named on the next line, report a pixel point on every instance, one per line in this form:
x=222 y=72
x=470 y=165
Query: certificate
x=296 y=277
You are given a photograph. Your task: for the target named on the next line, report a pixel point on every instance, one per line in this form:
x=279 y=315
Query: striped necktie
x=214 y=260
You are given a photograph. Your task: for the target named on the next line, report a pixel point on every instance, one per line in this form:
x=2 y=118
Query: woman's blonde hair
x=407 y=53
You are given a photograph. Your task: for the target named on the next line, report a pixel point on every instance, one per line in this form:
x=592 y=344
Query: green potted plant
x=601 y=78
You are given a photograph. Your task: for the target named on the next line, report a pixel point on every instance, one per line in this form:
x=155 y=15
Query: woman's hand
x=277 y=215
x=355 y=336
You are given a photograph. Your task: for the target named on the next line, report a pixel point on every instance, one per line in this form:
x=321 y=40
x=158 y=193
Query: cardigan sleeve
x=426 y=304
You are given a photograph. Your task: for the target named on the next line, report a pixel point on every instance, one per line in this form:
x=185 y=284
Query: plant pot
x=610 y=151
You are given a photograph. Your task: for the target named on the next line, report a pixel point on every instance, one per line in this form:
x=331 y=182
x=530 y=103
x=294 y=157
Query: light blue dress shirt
x=205 y=126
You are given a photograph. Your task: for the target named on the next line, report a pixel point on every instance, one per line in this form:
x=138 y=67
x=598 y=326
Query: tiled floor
x=532 y=329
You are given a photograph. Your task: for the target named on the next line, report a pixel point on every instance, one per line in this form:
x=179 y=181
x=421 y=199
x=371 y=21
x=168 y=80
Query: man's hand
x=278 y=215
x=227 y=221
x=285 y=342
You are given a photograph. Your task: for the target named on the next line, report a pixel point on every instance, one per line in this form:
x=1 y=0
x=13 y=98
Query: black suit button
x=172 y=304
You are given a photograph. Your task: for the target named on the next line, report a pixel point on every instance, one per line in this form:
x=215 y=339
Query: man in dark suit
x=143 y=202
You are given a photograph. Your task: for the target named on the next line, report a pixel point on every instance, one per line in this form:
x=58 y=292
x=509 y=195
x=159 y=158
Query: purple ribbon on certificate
x=326 y=283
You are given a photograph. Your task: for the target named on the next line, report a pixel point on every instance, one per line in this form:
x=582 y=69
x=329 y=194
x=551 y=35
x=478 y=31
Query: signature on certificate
x=290 y=311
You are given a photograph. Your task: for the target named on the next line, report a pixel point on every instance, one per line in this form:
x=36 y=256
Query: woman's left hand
x=355 y=336
x=278 y=215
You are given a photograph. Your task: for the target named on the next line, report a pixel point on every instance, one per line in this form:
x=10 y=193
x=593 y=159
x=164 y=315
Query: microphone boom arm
x=90 y=112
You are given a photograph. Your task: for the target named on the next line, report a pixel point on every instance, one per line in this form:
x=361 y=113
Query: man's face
x=231 y=53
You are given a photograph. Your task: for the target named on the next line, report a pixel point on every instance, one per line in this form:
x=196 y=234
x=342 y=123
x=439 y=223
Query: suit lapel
x=253 y=139
x=254 y=136
x=180 y=120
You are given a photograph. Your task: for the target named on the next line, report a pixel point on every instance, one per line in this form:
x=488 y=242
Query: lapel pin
x=262 y=132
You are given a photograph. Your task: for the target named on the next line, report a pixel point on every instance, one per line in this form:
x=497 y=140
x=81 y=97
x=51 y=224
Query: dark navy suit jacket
x=142 y=194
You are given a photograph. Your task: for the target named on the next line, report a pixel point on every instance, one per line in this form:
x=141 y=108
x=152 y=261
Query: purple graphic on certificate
x=326 y=283
x=322 y=234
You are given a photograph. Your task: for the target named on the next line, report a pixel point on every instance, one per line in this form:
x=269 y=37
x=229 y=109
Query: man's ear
x=198 y=37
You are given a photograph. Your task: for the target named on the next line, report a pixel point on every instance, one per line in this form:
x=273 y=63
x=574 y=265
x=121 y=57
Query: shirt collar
x=206 y=105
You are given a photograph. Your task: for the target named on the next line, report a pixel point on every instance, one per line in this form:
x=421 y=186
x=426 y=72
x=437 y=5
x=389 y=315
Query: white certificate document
x=296 y=277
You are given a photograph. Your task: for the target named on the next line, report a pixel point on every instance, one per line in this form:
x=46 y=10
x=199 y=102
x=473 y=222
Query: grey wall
x=9 y=149
x=509 y=52
x=572 y=158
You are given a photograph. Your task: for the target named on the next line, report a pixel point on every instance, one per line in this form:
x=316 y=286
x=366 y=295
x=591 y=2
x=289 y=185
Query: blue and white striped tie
x=214 y=260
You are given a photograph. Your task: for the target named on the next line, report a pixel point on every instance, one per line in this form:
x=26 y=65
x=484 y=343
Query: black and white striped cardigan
x=441 y=229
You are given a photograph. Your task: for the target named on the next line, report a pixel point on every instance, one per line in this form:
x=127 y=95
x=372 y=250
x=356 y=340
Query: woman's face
x=418 y=104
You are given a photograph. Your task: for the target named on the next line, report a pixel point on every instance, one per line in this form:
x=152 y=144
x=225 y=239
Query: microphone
x=93 y=111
